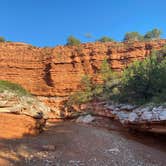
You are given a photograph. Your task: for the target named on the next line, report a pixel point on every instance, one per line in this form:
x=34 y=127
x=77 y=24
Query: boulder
x=85 y=119
x=126 y=107
x=162 y=115
x=14 y=126
x=142 y=109
x=147 y=116
x=122 y=115
x=11 y=102
x=132 y=117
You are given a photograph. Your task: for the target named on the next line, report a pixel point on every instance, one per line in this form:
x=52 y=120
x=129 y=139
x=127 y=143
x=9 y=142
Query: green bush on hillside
x=85 y=95
x=132 y=36
x=2 y=39
x=94 y=91
x=111 y=81
x=141 y=82
x=145 y=80
x=135 y=36
x=105 y=39
x=72 y=41
x=12 y=87
x=152 y=35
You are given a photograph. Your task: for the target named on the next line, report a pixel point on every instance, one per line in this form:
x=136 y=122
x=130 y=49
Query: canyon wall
x=56 y=72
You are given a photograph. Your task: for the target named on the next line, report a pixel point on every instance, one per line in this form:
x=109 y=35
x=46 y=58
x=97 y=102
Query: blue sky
x=50 y=22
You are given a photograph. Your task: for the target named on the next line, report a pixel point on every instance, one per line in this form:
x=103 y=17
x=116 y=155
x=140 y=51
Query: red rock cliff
x=57 y=71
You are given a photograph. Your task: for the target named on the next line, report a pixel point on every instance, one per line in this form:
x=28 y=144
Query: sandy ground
x=70 y=144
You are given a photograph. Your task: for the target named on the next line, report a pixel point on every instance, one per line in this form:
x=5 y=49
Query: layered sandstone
x=57 y=71
x=16 y=126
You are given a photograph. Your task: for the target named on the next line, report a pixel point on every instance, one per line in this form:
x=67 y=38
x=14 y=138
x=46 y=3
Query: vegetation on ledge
x=12 y=87
x=105 y=39
x=73 y=41
x=154 y=34
x=2 y=39
x=141 y=82
x=145 y=81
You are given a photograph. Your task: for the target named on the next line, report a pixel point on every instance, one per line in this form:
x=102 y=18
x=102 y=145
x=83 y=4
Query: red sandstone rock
x=16 y=126
x=58 y=71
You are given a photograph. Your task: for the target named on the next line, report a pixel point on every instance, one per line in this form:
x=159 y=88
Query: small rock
x=85 y=119
x=141 y=110
x=147 y=116
x=158 y=109
x=111 y=107
x=75 y=162
x=49 y=147
x=155 y=116
x=117 y=109
x=122 y=115
x=113 y=150
x=132 y=117
x=162 y=115
x=127 y=107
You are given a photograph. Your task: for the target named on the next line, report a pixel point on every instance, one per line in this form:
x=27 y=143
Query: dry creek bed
x=74 y=144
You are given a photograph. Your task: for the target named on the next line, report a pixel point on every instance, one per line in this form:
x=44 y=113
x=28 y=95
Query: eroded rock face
x=21 y=115
x=11 y=102
x=58 y=71
x=147 y=118
x=16 y=126
x=53 y=74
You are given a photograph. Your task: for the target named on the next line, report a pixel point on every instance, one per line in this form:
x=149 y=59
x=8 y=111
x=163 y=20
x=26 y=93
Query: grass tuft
x=13 y=87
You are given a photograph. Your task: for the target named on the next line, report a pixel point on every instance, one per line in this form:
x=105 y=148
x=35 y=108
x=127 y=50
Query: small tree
x=145 y=79
x=105 y=39
x=105 y=70
x=132 y=36
x=2 y=39
x=72 y=41
x=110 y=79
x=152 y=35
x=162 y=53
x=85 y=94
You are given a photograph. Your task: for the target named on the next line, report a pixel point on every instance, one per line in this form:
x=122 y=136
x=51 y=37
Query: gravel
x=71 y=144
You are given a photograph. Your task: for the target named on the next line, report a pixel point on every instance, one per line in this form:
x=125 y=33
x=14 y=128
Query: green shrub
x=105 y=39
x=95 y=91
x=152 y=35
x=111 y=81
x=144 y=80
x=141 y=82
x=12 y=87
x=85 y=95
x=132 y=36
x=2 y=39
x=72 y=41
